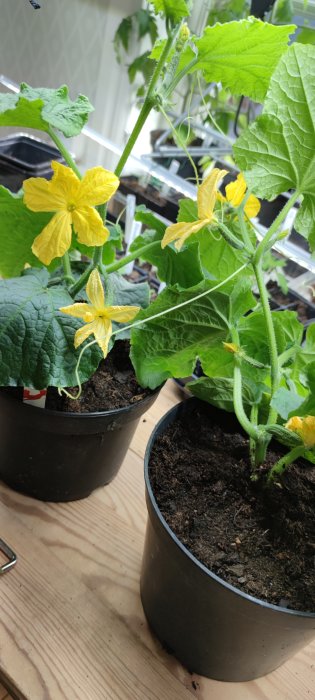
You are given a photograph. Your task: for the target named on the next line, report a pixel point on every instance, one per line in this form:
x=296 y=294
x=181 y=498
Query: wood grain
x=72 y=625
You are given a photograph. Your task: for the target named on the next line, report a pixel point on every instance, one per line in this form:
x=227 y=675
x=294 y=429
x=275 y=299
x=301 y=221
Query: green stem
x=252 y=442
x=171 y=87
x=288 y=354
x=284 y=462
x=67 y=268
x=274 y=362
x=266 y=242
x=149 y=102
x=244 y=231
x=77 y=286
x=64 y=152
x=244 y=421
x=132 y=256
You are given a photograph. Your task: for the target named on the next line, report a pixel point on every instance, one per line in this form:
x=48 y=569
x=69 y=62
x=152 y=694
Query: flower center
x=71 y=207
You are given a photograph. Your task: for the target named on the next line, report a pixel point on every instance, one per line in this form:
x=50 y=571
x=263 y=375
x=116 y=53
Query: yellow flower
x=206 y=199
x=235 y=193
x=304 y=427
x=96 y=315
x=73 y=200
x=231 y=347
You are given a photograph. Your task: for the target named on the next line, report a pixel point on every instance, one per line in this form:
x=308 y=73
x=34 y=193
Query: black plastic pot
x=23 y=156
x=211 y=627
x=57 y=456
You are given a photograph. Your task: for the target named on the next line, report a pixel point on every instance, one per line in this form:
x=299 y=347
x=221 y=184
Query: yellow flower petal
x=83 y=333
x=97 y=186
x=235 y=191
x=102 y=333
x=95 y=291
x=54 y=194
x=252 y=206
x=79 y=310
x=182 y=231
x=89 y=226
x=231 y=347
x=207 y=193
x=55 y=238
x=122 y=314
x=304 y=427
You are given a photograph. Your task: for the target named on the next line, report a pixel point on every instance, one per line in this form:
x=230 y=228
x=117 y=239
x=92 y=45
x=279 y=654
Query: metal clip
x=11 y=557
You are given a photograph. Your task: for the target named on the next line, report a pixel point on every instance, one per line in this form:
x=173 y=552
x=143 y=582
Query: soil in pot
x=258 y=539
x=113 y=385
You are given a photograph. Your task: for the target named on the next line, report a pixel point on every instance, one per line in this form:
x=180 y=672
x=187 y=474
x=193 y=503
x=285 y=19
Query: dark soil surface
x=113 y=385
x=259 y=539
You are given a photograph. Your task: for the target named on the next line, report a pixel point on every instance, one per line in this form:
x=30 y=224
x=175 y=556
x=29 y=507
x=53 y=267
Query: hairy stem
x=149 y=102
x=67 y=268
x=242 y=418
x=131 y=256
x=272 y=341
x=280 y=466
x=64 y=152
x=267 y=242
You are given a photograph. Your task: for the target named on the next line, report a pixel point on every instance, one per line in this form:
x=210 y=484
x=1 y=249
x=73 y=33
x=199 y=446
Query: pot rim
x=181 y=546
x=88 y=415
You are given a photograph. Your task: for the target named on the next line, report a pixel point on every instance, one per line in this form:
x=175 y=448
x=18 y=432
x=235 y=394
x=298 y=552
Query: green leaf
x=242 y=55
x=169 y=346
x=283 y=12
x=277 y=151
x=172 y=9
x=146 y=24
x=307 y=408
x=220 y=363
x=182 y=268
x=19 y=227
x=286 y=402
x=142 y=65
x=122 y=35
x=124 y=293
x=254 y=337
x=42 y=108
x=242 y=299
x=227 y=10
x=306 y=36
x=36 y=339
x=219 y=392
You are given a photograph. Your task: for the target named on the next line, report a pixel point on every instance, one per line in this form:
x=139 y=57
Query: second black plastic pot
x=56 y=456
x=213 y=628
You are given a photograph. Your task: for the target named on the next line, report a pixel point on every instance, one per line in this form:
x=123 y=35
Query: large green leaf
x=253 y=332
x=242 y=55
x=18 y=228
x=307 y=408
x=277 y=152
x=219 y=391
x=173 y=9
x=286 y=401
x=170 y=345
x=182 y=268
x=42 y=108
x=36 y=339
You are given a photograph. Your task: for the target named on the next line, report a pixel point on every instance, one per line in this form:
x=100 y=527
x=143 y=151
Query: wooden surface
x=72 y=625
